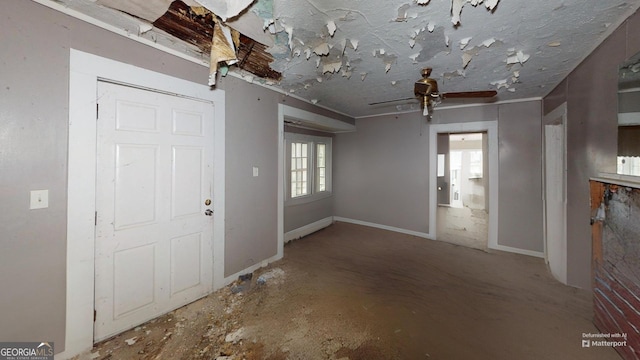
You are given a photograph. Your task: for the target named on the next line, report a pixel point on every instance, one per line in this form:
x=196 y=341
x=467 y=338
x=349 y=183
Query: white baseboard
x=307 y=229
x=384 y=227
x=231 y=278
x=430 y=237
x=538 y=254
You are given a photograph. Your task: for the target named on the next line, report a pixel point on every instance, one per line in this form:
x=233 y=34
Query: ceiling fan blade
x=390 y=101
x=470 y=94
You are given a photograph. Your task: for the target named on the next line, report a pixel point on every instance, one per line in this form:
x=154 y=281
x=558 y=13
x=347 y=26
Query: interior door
x=153 y=246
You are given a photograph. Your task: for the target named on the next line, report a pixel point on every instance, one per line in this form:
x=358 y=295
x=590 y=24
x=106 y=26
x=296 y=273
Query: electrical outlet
x=255 y=171
x=39 y=199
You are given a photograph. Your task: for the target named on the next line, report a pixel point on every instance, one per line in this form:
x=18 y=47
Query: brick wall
x=616 y=264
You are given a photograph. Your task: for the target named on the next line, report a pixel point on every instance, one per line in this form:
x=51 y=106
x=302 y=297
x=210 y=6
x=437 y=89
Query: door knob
x=208 y=212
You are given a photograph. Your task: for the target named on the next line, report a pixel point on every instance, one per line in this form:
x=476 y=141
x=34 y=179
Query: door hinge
x=97 y=112
x=95 y=219
x=95 y=314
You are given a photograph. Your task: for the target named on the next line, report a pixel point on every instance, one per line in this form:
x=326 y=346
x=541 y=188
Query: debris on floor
x=274 y=275
x=367 y=299
x=243 y=284
x=235 y=336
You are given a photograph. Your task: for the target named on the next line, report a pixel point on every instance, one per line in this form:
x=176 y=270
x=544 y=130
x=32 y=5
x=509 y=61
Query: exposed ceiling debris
x=149 y=10
x=193 y=23
x=312 y=48
x=226 y=9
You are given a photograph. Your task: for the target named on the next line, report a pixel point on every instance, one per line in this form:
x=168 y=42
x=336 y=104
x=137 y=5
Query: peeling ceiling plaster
x=344 y=55
x=521 y=48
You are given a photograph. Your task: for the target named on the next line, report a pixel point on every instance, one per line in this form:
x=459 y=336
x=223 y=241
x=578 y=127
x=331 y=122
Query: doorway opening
x=462 y=211
x=555 y=192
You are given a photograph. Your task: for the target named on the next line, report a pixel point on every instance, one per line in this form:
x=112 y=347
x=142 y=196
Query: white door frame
x=557 y=117
x=491 y=127
x=84 y=72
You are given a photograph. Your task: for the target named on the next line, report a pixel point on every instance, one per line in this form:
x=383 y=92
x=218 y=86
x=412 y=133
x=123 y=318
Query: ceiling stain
x=432 y=44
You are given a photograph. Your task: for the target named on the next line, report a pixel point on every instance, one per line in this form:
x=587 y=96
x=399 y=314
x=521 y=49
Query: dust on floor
x=353 y=292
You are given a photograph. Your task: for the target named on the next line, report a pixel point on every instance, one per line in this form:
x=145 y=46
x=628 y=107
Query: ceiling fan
x=426 y=89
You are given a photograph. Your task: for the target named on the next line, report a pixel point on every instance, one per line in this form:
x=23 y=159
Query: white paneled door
x=153 y=200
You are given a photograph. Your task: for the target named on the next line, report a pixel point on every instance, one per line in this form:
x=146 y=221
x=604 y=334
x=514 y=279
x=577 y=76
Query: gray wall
x=520 y=176
x=381 y=171
x=34 y=87
x=251 y=202
x=629 y=102
x=297 y=216
x=591 y=95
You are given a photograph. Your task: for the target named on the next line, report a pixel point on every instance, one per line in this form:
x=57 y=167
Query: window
x=475 y=164
x=299 y=169
x=308 y=167
x=321 y=167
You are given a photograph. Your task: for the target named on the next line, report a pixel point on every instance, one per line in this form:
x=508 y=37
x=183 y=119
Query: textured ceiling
x=551 y=37
x=345 y=55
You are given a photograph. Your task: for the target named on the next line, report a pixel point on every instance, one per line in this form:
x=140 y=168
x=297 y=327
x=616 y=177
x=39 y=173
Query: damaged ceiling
x=345 y=55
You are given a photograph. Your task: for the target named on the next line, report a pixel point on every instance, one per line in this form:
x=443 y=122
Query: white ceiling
x=521 y=48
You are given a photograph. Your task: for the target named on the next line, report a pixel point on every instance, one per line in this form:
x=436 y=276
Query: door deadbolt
x=208 y=212
x=207 y=202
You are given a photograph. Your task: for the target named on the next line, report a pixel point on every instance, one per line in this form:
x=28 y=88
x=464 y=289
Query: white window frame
x=312 y=193
x=473 y=165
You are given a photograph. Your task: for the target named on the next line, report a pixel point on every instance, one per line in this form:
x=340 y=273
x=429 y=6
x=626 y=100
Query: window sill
x=619 y=179
x=307 y=198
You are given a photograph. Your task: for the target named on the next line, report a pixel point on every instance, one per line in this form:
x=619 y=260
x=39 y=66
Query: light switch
x=255 y=171
x=39 y=199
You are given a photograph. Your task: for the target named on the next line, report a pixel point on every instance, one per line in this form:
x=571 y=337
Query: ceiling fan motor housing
x=425 y=86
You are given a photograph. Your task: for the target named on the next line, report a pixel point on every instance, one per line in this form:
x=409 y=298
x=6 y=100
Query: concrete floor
x=354 y=292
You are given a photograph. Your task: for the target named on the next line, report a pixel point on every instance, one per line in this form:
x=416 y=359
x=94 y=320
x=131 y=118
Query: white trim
x=231 y=278
x=384 y=227
x=510 y=249
x=316 y=121
x=116 y=30
x=628 y=119
x=428 y=236
x=559 y=112
x=219 y=188
x=491 y=127
x=312 y=193
x=307 y=229
x=557 y=117
x=629 y=90
x=281 y=190
x=84 y=72
x=618 y=179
